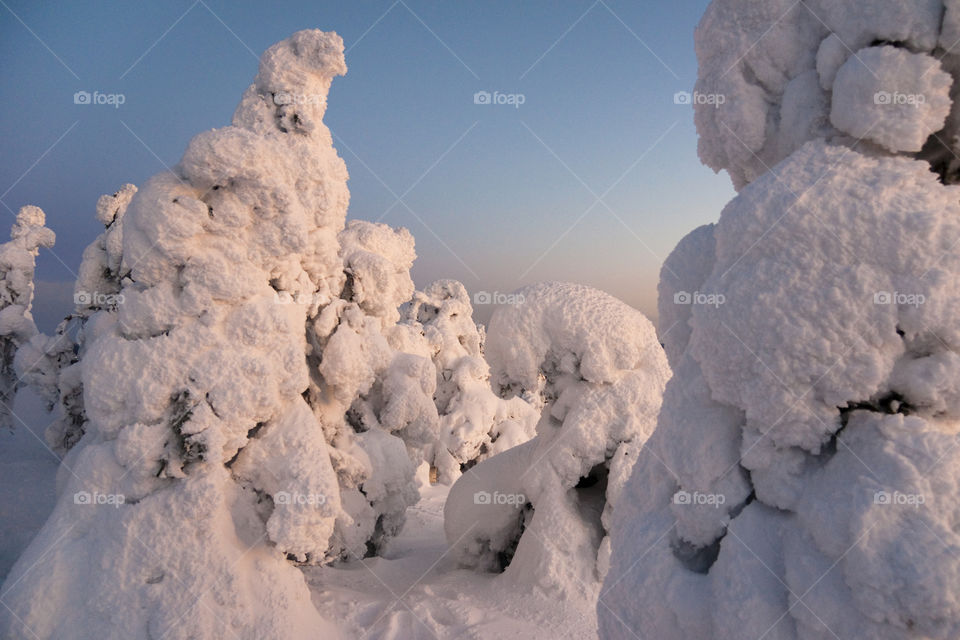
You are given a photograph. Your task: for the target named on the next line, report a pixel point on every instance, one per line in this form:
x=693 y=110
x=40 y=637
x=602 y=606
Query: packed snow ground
x=413 y=591
x=28 y=473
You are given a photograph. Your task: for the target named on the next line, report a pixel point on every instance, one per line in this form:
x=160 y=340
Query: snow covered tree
x=45 y=363
x=804 y=477
x=540 y=512
x=18 y=259
x=201 y=467
x=373 y=400
x=475 y=423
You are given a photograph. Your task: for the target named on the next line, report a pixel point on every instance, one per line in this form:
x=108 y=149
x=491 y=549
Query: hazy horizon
x=586 y=171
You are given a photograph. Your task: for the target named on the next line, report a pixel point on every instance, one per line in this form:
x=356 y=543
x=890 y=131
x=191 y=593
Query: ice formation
x=541 y=511
x=799 y=482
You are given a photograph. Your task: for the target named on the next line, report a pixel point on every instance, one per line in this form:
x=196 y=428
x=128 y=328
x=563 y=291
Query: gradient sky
x=496 y=196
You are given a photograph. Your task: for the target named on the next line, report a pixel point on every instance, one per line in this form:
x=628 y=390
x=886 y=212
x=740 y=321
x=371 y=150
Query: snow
x=681 y=279
x=858 y=24
x=237 y=429
x=540 y=512
x=831 y=55
x=794 y=72
x=787 y=407
x=748 y=52
x=414 y=590
x=17 y=262
x=799 y=481
x=891 y=96
x=196 y=428
x=27 y=474
x=474 y=422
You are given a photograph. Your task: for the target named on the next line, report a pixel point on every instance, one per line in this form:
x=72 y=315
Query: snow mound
x=891 y=96
x=540 y=511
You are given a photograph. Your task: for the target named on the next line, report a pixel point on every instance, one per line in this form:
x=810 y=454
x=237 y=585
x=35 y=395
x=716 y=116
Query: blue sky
x=593 y=179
